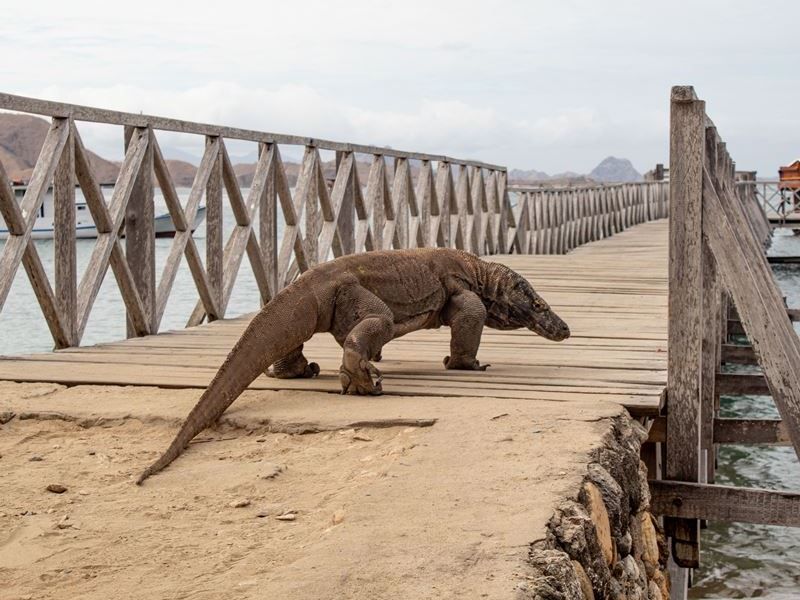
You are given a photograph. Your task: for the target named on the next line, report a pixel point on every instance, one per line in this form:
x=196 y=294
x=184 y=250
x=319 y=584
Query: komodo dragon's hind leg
x=466 y=315
x=370 y=325
x=294 y=365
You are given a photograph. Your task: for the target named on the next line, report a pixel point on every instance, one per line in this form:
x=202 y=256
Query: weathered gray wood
x=723 y=503
x=33 y=266
x=736 y=354
x=741 y=384
x=214 y=258
x=41 y=177
x=761 y=309
x=104 y=246
x=140 y=248
x=687 y=146
x=347 y=223
x=710 y=359
x=751 y=431
x=64 y=251
x=105 y=224
x=183 y=242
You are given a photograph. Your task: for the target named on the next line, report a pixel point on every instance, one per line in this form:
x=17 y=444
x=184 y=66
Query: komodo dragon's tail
x=280 y=327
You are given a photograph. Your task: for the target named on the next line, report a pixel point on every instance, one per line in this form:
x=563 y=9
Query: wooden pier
x=617 y=351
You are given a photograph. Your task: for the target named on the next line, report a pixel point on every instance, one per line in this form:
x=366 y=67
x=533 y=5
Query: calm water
x=739 y=560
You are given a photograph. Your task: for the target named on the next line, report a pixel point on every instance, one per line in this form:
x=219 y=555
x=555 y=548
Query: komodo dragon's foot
x=294 y=368
x=360 y=381
x=309 y=371
x=462 y=363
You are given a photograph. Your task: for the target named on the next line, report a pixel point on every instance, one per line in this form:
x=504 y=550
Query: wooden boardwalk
x=613 y=294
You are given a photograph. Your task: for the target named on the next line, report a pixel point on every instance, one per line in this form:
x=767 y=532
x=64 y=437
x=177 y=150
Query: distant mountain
x=609 y=170
x=615 y=170
x=21 y=139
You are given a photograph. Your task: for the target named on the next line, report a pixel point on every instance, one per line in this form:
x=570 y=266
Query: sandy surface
x=444 y=510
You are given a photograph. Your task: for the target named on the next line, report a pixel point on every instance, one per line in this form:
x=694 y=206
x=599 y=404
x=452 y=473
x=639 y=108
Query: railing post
x=687 y=147
x=214 y=262
x=347 y=226
x=140 y=243
x=66 y=269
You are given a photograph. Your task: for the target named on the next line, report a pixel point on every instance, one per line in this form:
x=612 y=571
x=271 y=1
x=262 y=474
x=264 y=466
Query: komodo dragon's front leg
x=294 y=365
x=369 y=324
x=466 y=315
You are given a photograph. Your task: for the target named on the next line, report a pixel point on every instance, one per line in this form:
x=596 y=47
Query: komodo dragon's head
x=515 y=304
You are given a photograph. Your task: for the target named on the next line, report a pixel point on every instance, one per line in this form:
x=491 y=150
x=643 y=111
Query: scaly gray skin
x=364 y=301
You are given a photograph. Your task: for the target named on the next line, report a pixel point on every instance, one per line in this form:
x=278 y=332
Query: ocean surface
x=738 y=560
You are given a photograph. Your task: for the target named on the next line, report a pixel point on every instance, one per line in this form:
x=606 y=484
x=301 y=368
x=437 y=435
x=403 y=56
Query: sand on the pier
x=414 y=510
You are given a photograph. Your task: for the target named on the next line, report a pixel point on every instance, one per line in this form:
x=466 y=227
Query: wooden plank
x=729 y=384
x=347 y=224
x=723 y=503
x=736 y=354
x=751 y=431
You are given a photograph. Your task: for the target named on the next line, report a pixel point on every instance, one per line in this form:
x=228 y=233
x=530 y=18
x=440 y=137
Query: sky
x=552 y=86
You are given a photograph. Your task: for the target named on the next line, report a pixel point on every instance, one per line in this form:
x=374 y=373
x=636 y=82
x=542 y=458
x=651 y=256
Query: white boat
x=84 y=224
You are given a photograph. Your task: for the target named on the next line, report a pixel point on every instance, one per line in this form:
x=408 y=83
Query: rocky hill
x=610 y=170
x=615 y=170
x=21 y=139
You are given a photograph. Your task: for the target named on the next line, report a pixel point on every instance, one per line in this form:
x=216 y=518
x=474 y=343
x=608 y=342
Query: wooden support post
x=214 y=259
x=347 y=213
x=66 y=269
x=268 y=224
x=140 y=242
x=687 y=146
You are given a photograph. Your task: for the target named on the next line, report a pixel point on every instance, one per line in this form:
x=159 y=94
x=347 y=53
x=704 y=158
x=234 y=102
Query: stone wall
x=604 y=543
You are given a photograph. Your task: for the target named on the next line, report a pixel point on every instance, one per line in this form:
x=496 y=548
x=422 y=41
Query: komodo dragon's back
x=366 y=300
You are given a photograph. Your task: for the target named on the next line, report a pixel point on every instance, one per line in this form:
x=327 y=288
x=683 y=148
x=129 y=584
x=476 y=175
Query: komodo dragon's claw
x=360 y=382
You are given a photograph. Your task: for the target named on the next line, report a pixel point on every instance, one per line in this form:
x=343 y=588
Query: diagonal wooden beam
x=242 y=233
x=183 y=242
x=330 y=213
x=292 y=208
x=103 y=248
x=104 y=223
x=41 y=177
x=33 y=265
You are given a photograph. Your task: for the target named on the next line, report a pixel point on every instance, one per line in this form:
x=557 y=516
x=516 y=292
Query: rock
x=56 y=488
x=583 y=580
x=650 y=554
x=661 y=579
x=290 y=516
x=599 y=515
x=653 y=591
x=360 y=437
x=261 y=440
x=554 y=576
x=262 y=513
x=338 y=517
x=624 y=544
x=83 y=492
x=612 y=497
x=35 y=458
x=272 y=471
x=241 y=503
x=6 y=416
x=91 y=453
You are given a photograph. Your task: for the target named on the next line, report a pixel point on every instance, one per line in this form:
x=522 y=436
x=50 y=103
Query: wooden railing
x=554 y=220
x=717 y=260
x=408 y=200
x=779 y=200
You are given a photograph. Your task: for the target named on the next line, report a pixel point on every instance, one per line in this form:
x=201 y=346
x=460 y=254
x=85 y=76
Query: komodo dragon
x=366 y=300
